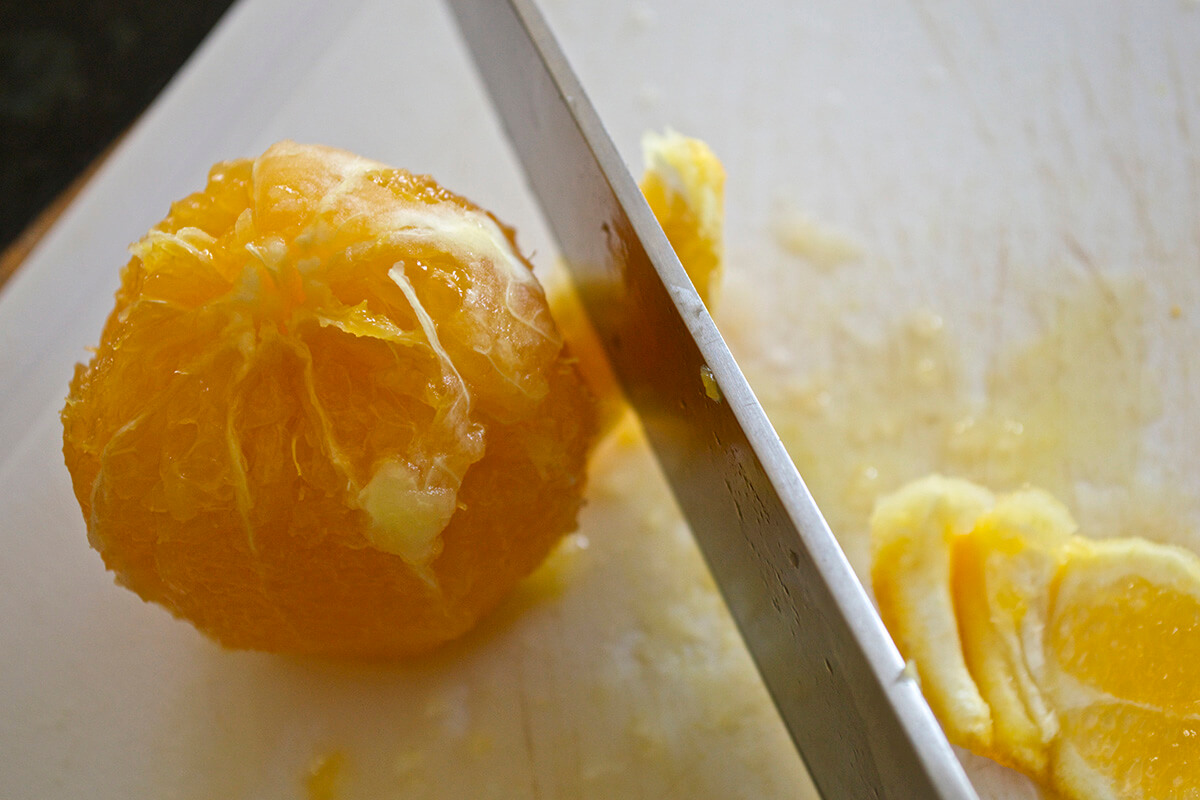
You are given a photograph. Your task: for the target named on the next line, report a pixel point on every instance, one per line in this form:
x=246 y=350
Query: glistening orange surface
x=329 y=413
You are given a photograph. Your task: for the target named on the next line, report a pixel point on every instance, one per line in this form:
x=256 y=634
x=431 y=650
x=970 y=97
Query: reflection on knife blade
x=861 y=726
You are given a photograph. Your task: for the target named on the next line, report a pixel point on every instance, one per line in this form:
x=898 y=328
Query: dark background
x=73 y=77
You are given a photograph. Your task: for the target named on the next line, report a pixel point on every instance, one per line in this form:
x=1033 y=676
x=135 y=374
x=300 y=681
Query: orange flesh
x=1133 y=629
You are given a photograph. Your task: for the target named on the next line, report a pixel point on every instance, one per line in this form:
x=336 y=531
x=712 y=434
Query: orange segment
x=911 y=539
x=1001 y=570
x=1116 y=750
x=1087 y=653
x=1123 y=646
x=330 y=411
x=1143 y=599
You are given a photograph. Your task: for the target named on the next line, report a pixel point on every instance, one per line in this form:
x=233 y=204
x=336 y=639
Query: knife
x=857 y=718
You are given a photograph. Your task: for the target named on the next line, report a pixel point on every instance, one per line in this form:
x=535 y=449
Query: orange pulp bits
x=330 y=412
x=684 y=185
x=1074 y=661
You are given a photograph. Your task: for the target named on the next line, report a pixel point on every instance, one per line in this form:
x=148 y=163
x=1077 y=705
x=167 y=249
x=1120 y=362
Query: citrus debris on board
x=1075 y=661
x=330 y=412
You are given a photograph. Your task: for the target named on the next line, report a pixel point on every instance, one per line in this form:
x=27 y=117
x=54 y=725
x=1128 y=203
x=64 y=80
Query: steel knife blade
x=858 y=720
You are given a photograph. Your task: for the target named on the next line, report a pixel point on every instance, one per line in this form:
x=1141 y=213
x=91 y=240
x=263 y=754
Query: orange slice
x=911 y=535
x=1085 y=653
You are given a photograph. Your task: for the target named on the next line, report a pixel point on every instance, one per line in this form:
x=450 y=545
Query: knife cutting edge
x=859 y=722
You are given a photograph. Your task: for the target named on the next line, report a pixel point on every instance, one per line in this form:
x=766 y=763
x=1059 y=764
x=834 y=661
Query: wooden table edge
x=18 y=250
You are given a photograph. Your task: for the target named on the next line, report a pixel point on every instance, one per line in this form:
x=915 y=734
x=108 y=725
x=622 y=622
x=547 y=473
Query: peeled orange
x=330 y=412
x=1086 y=654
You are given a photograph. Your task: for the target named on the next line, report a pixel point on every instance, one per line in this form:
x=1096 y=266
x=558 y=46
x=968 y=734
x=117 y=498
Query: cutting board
x=962 y=189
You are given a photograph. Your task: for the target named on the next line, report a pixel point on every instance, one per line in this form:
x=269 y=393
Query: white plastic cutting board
x=969 y=148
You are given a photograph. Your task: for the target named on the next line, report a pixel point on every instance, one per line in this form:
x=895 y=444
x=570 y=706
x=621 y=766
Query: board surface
x=998 y=177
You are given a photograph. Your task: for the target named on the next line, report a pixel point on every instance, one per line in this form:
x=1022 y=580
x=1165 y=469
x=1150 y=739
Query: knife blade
x=838 y=681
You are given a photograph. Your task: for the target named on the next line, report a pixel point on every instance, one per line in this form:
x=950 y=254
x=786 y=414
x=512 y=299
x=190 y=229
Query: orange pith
x=329 y=413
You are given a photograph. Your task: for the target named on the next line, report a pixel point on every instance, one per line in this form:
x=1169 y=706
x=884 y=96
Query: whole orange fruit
x=330 y=412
